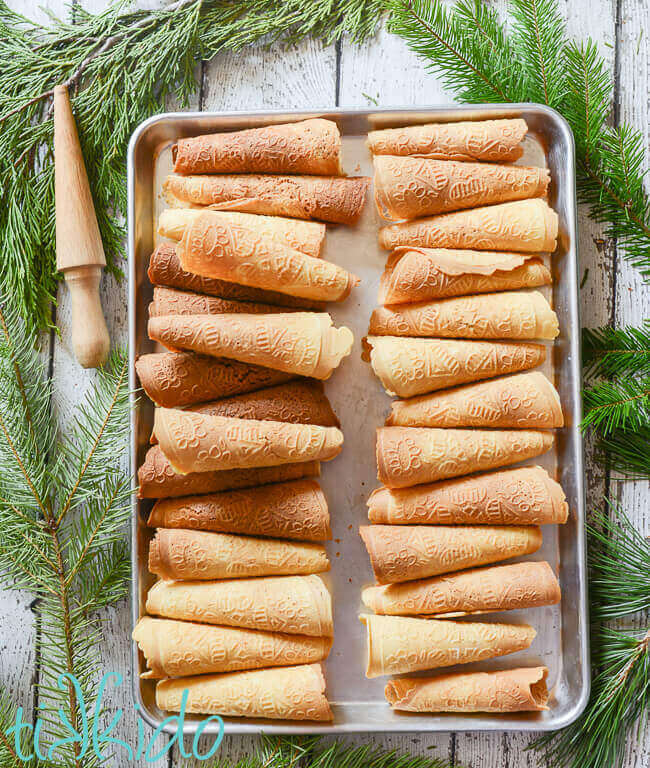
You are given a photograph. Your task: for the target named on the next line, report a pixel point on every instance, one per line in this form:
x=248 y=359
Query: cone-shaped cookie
x=169 y=301
x=309 y=146
x=284 y=693
x=298 y=605
x=499 y=588
x=508 y=690
x=508 y=315
x=175 y=648
x=525 y=225
x=332 y=199
x=185 y=555
x=294 y=510
x=522 y=496
x=527 y=400
x=408 y=367
x=397 y=644
x=421 y=274
x=409 y=456
x=165 y=269
x=305 y=236
x=196 y=443
x=498 y=141
x=173 y=379
x=298 y=402
x=224 y=251
x=403 y=553
x=157 y=479
x=303 y=343
x=409 y=187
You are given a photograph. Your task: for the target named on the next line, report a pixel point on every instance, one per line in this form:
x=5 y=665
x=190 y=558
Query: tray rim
x=460 y=722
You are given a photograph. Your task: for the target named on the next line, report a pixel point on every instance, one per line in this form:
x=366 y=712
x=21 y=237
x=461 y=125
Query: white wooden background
x=381 y=71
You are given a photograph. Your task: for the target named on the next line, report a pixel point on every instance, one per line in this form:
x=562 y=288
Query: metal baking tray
x=358 y=703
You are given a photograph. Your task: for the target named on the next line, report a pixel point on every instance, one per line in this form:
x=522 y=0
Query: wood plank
x=632 y=292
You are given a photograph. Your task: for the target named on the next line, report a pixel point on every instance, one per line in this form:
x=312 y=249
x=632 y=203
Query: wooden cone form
x=79 y=249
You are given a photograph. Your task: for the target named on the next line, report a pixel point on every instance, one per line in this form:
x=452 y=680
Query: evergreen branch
x=626 y=451
x=619 y=404
x=468 y=48
x=619 y=564
x=620 y=695
x=610 y=352
x=539 y=39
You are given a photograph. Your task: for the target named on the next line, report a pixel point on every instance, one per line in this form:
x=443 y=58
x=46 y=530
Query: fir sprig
x=619 y=586
x=612 y=352
x=64 y=501
x=620 y=404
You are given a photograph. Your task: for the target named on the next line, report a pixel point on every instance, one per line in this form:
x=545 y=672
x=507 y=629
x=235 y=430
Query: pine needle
x=620 y=404
x=612 y=352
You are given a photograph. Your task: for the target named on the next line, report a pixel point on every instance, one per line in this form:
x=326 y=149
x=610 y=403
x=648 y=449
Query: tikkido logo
x=90 y=738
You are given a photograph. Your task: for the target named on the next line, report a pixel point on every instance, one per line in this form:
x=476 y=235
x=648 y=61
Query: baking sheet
x=362 y=405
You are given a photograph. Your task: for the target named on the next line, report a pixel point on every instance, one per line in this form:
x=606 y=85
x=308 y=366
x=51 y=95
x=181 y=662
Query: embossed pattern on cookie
x=404 y=553
x=507 y=315
x=522 y=496
x=397 y=644
x=305 y=236
x=410 y=187
x=493 y=140
x=293 y=510
x=186 y=554
x=409 y=456
x=527 y=400
x=308 y=146
x=480 y=590
x=292 y=604
x=300 y=343
x=524 y=225
x=286 y=693
x=165 y=269
x=413 y=366
x=326 y=198
x=508 y=690
x=239 y=254
x=157 y=479
x=176 y=648
x=421 y=274
x=194 y=442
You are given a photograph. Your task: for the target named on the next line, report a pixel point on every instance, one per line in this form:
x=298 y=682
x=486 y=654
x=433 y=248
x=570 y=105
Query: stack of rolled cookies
x=454 y=340
x=239 y=616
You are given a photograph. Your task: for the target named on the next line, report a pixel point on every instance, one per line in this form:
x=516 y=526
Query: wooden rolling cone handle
x=90 y=339
x=79 y=249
